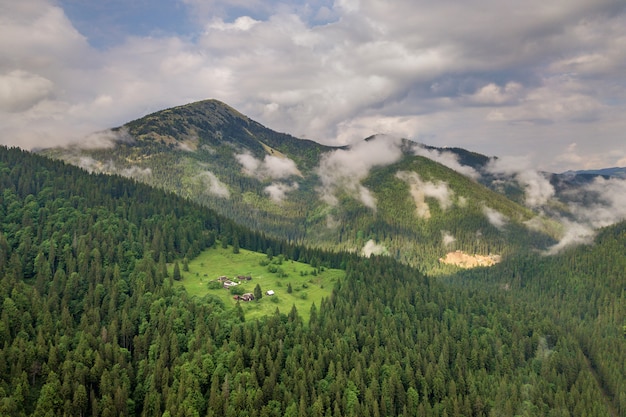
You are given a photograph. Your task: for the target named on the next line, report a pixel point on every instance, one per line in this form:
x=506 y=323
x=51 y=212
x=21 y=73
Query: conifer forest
x=94 y=323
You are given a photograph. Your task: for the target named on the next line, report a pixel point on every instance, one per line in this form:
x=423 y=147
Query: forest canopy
x=91 y=323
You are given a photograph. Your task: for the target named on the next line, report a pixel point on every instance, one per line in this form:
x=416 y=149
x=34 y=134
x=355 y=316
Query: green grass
x=216 y=262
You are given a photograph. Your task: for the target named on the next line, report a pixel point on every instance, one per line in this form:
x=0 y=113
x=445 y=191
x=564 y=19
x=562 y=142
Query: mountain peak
x=194 y=120
x=211 y=106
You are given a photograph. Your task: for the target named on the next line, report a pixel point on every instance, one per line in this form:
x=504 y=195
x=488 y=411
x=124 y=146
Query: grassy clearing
x=307 y=288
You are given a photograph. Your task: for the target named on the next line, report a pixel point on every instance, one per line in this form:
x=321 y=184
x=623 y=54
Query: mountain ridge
x=340 y=198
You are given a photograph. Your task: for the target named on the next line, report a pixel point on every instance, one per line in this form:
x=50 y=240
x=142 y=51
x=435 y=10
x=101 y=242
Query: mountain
x=382 y=195
x=615 y=172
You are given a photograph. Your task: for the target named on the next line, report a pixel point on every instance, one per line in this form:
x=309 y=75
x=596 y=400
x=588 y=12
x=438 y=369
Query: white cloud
x=213 y=185
x=249 y=162
x=273 y=167
x=496 y=218
x=89 y=164
x=373 y=248
x=278 y=190
x=421 y=189
x=448 y=159
x=135 y=172
x=20 y=90
x=447 y=238
x=492 y=94
x=595 y=205
x=104 y=139
x=344 y=169
x=280 y=167
x=537 y=188
x=335 y=72
x=584 y=156
x=574 y=234
x=608 y=206
x=184 y=147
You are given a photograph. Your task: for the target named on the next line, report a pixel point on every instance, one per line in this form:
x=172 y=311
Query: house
x=247 y=297
x=269 y=292
x=228 y=284
x=223 y=278
x=244 y=277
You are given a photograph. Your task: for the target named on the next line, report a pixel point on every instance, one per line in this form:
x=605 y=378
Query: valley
x=114 y=258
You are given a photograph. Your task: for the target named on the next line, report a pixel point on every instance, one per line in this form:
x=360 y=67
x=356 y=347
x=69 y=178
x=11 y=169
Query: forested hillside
x=90 y=323
x=581 y=291
x=380 y=195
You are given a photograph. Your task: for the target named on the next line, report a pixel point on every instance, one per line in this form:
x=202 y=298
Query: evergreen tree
x=258 y=293
x=176 y=274
x=236 y=244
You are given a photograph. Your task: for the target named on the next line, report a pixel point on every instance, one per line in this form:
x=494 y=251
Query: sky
x=541 y=79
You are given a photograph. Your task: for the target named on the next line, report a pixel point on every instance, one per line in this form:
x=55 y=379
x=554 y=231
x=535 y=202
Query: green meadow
x=308 y=285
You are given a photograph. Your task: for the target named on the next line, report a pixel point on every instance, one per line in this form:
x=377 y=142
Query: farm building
x=228 y=284
x=247 y=297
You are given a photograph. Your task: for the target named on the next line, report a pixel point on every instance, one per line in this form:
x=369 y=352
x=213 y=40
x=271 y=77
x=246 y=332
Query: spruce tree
x=177 y=276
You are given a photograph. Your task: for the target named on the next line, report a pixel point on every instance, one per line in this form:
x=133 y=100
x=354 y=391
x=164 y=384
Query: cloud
x=21 y=90
x=598 y=204
x=278 y=190
x=344 y=169
x=135 y=172
x=574 y=234
x=447 y=238
x=492 y=94
x=537 y=188
x=496 y=218
x=373 y=248
x=421 y=189
x=249 y=162
x=213 y=185
x=582 y=155
x=351 y=69
x=280 y=167
x=108 y=167
x=447 y=158
x=103 y=140
x=187 y=146
x=91 y=165
x=273 y=167
x=608 y=202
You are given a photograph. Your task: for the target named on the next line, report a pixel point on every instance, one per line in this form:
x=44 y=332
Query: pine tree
x=177 y=275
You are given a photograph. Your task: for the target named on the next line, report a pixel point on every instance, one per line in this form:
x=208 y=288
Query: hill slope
x=381 y=195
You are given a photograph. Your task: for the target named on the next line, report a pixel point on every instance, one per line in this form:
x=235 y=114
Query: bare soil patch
x=464 y=260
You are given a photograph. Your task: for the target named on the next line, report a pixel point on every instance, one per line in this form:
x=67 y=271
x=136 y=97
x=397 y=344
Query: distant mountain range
x=383 y=195
x=615 y=172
